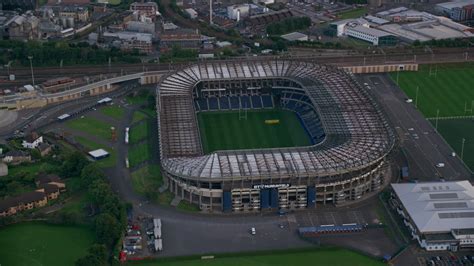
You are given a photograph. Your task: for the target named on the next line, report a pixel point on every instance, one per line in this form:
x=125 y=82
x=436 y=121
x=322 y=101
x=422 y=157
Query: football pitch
x=231 y=130
x=453 y=131
x=317 y=257
x=448 y=88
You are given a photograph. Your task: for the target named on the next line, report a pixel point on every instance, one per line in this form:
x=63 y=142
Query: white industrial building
x=439 y=215
x=238 y=12
x=360 y=29
x=191 y=12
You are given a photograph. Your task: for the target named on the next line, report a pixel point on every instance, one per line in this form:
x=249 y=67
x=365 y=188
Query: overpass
x=37 y=99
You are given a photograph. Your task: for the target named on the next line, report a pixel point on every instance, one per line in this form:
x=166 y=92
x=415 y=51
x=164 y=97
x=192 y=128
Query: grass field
x=139 y=132
x=89 y=144
x=448 y=91
x=224 y=130
x=454 y=131
x=33 y=244
x=147 y=178
x=138 y=116
x=327 y=256
x=91 y=126
x=354 y=13
x=138 y=154
x=113 y=111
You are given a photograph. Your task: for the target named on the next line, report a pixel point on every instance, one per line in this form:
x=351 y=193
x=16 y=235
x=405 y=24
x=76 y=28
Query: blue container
x=227 y=201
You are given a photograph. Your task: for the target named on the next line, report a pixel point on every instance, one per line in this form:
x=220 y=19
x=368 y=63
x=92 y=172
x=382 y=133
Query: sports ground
x=231 y=130
x=332 y=256
x=41 y=244
x=448 y=88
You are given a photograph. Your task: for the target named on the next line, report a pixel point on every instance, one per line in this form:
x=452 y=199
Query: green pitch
x=225 y=131
x=316 y=257
x=448 y=88
x=453 y=131
x=43 y=244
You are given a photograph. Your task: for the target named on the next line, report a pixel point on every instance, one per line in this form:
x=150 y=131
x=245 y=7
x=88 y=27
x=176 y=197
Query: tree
x=73 y=164
x=91 y=173
x=108 y=230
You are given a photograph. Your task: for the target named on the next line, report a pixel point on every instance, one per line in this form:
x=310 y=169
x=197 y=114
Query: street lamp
x=462 y=148
x=31 y=67
x=437 y=116
x=416 y=97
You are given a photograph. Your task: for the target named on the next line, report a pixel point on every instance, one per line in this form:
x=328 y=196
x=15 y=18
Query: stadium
x=227 y=135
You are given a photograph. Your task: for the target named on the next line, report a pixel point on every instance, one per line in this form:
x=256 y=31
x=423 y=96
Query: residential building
x=16 y=157
x=78 y=13
x=439 y=215
x=51 y=179
x=51 y=191
x=128 y=41
x=32 y=141
x=185 y=38
x=44 y=149
x=26 y=201
x=3 y=169
x=148 y=9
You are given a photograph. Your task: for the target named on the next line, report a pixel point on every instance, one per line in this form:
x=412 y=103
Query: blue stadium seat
x=202 y=102
x=256 y=101
x=245 y=102
x=234 y=102
x=267 y=101
x=213 y=103
x=224 y=103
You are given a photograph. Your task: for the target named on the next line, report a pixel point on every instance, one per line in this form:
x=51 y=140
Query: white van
x=440 y=165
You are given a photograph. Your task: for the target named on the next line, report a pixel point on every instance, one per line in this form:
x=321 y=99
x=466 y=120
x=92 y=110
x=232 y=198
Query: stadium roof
x=438 y=206
x=357 y=135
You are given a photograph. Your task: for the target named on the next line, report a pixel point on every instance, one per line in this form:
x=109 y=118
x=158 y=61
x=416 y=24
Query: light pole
x=437 y=116
x=416 y=97
x=462 y=148
x=31 y=67
x=398 y=75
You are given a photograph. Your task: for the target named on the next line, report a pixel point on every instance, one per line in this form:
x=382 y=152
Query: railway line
x=435 y=56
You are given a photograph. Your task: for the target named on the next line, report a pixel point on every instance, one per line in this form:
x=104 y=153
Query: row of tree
x=110 y=219
x=53 y=53
x=288 y=25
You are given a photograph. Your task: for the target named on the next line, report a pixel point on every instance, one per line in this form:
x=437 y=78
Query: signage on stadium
x=263 y=186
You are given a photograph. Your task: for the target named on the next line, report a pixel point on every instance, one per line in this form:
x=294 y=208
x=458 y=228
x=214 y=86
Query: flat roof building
x=439 y=215
x=295 y=36
x=98 y=154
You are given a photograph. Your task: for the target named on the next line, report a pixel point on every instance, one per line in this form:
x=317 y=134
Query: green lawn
x=33 y=244
x=91 y=145
x=454 y=131
x=148 y=178
x=224 y=130
x=186 y=206
x=354 y=13
x=321 y=257
x=91 y=126
x=138 y=116
x=139 y=132
x=138 y=154
x=448 y=91
x=113 y=111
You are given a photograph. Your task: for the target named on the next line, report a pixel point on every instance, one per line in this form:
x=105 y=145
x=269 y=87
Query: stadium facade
x=349 y=134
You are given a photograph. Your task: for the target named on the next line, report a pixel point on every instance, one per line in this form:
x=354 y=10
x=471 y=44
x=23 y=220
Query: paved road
x=423 y=146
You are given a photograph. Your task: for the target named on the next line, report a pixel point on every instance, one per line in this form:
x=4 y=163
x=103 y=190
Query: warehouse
x=439 y=215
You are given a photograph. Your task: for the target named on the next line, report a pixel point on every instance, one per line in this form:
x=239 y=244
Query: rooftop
x=98 y=153
x=294 y=36
x=438 y=206
x=370 y=31
x=454 y=4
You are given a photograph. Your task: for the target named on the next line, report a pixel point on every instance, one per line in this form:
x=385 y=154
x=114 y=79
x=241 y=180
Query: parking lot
x=446 y=259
